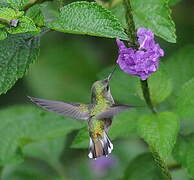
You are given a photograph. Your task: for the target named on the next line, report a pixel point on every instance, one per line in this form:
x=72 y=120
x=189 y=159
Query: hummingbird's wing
x=112 y=111
x=74 y=110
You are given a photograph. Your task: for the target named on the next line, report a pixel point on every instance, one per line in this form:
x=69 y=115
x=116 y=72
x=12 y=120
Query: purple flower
x=143 y=61
x=101 y=165
x=14 y=22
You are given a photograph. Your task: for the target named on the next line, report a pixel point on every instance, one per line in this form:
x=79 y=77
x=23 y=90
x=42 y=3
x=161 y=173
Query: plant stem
x=131 y=32
x=4 y=21
x=146 y=95
x=134 y=43
x=31 y=3
x=173 y=167
x=162 y=165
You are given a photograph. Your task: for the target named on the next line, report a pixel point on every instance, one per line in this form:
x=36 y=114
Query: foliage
x=88 y=18
x=149 y=169
x=66 y=69
x=25 y=24
x=30 y=125
x=17 y=53
x=159 y=131
x=183 y=152
x=158 y=92
x=155 y=15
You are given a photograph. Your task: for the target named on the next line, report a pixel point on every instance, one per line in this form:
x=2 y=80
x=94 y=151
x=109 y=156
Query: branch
x=173 y=167
x=131 y=32
x=4 y=21
x=146 y=95
x=31 y=3
x=134 y=43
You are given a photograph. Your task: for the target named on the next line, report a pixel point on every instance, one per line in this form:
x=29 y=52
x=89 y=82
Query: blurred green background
x=67 y=67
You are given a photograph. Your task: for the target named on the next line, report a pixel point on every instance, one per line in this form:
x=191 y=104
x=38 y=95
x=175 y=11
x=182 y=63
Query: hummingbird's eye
x=107 y=87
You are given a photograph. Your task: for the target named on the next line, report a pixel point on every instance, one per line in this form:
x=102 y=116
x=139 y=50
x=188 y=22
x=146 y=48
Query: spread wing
x=74 y=110
x=112 y=111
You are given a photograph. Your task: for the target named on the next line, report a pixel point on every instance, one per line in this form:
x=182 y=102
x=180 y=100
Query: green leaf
x=50 y=11
x=17 y=4
x=154 y=15
x=81 y=139
x=143 y=167
x=36 y=15
x=16 y=54
x=25 y=24
x=48 y=150
x=21 y=125
x=159 y=131
x=185 y=100
x=9 y=14
x=123 y=125
x=180 y=174
x=160 y=85
x=181 y=71
x=184 y=152
x=88 y=18
x=173 y=2
x=3 y=3
x=60 y=3
x=161 y=164
x=3 y=34
x=28 y=170
x=119 y=12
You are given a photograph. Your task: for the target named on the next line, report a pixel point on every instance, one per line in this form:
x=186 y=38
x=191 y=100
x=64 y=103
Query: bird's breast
x=99 y=108
x=96 y=127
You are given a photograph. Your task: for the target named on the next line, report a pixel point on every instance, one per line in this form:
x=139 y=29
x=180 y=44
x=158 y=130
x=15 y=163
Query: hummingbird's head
x=101 y=88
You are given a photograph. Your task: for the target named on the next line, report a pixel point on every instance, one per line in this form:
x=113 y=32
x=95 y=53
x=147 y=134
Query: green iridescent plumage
x=99 y=114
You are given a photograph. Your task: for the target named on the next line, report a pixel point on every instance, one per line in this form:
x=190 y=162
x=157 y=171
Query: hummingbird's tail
x=100 y=146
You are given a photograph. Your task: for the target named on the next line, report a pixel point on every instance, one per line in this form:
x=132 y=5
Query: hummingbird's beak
x=110 y=75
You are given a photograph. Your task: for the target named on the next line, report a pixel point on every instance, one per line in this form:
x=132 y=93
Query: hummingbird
x=98 y=113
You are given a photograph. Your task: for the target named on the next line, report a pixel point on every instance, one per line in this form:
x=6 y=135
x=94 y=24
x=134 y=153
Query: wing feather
x=74 y=110
x=112 y=111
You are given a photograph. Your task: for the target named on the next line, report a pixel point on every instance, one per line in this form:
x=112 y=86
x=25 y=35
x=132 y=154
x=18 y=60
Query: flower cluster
x=143 y=61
